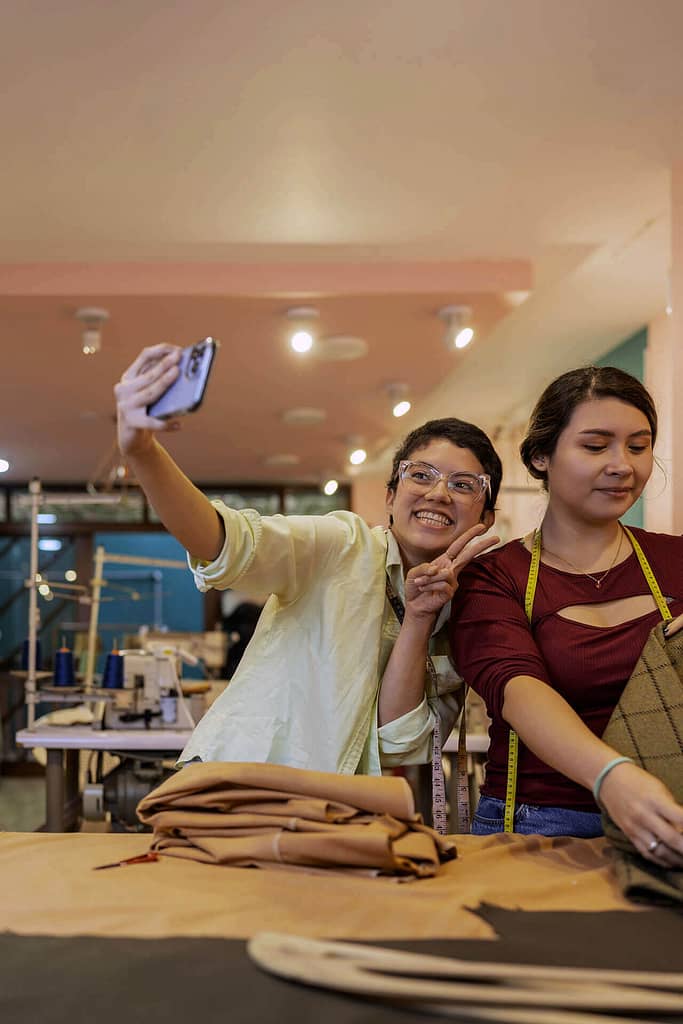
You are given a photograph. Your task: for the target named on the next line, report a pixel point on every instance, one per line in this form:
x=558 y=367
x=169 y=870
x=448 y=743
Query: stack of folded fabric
x=264 y=815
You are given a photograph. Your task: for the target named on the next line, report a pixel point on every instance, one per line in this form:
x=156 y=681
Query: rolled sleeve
x=408 y=739
x=242 y=533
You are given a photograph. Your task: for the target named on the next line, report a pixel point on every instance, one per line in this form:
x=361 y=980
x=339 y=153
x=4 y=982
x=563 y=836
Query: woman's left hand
x=646 y=811
x=673 y=626
x=428 y=587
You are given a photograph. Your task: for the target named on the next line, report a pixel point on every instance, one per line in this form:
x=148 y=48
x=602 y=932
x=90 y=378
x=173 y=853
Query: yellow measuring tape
x=513 y=741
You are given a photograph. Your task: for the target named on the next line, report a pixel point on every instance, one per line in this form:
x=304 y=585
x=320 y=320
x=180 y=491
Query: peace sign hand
x=428 y=587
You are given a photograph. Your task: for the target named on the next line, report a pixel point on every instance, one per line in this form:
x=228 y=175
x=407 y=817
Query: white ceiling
x=386 y=142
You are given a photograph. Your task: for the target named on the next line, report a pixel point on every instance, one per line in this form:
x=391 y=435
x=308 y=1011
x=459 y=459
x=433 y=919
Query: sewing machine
x=151 y=696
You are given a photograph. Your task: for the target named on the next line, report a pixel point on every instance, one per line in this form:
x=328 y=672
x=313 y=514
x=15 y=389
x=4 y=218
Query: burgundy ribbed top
x=589 y=665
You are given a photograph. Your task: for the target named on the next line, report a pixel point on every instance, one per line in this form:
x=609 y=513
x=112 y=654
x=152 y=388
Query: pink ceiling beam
x=264 y=279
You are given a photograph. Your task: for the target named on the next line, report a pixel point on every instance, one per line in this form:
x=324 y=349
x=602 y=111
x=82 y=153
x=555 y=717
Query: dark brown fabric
x=263 y=815
x=647 y=725
x=80 y=979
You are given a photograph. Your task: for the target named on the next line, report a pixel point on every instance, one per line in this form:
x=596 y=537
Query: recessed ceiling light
x=301 y=341
x=516 y=298
x=282 y=459
x=358 y=456
x=4 y=465
x=339 y=348
x=304 y=416
x=331 y=487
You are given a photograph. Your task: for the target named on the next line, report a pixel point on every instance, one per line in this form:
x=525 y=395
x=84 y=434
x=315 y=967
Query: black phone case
x=187 y=390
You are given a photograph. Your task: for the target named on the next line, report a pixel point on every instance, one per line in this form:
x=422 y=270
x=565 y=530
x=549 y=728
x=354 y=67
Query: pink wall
x=368 y=494
x=658 y=495
x=676 y=345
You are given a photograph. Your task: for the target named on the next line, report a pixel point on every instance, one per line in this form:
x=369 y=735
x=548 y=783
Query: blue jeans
x=531 y=820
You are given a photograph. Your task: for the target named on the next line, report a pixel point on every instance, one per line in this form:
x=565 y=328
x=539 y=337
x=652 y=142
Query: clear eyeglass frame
x=457 y=483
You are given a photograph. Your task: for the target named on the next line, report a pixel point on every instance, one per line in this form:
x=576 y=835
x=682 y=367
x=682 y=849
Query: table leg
x=72 y=798
x=54 y=792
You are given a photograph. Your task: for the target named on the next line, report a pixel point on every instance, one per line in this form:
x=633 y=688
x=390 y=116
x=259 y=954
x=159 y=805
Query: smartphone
x=187 y=390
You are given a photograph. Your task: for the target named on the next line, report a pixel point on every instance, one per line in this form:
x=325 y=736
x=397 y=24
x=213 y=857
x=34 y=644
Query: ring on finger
x=653 y=845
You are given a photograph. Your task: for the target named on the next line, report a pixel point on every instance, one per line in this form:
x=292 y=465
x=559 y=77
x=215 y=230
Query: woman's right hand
x=646 y=812
x=143 y=382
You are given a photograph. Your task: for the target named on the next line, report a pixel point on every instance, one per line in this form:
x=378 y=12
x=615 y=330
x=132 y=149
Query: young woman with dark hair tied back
x=548 y=629
x=349 y=668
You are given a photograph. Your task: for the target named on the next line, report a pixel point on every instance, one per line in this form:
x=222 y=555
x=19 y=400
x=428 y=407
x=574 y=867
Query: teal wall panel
x=630 y=357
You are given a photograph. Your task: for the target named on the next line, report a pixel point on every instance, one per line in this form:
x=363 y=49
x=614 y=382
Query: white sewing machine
x=152 y=695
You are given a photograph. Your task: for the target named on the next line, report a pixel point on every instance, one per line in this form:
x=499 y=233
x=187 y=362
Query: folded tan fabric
x=264 y=815
x=647 y=725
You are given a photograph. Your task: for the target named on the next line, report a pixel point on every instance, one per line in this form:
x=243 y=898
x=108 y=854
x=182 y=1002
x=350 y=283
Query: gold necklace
x=597 y=580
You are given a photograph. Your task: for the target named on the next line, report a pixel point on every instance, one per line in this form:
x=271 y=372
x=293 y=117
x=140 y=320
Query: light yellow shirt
x=305 y=692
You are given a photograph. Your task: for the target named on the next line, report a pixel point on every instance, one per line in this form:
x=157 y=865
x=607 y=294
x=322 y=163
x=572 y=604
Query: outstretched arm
x=182 y=508
x=637 y=802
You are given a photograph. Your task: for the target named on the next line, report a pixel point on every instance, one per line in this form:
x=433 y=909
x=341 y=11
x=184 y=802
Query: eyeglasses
x=467 y=488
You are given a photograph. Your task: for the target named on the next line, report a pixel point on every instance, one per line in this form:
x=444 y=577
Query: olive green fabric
x=647 y=726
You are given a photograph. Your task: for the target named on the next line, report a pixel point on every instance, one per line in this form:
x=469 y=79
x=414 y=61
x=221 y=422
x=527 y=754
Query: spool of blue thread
x=113 y=671
x=64 y=668
x=24 y=656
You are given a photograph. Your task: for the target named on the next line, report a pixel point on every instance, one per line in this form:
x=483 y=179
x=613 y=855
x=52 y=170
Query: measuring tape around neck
x=530 y=593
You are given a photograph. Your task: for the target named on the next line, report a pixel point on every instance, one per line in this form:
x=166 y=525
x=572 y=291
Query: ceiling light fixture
x=302 y=334
x=356 y=453
x=458 y=332
x=397 y=392
x=331 y=487
x=4 y=465
x=304 y=416
x=92 y=318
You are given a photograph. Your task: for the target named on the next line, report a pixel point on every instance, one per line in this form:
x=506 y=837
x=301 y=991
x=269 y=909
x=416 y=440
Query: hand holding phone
x=187 y=391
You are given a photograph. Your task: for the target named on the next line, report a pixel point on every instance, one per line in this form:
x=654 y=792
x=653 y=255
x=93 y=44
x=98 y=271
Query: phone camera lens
x=194 y=362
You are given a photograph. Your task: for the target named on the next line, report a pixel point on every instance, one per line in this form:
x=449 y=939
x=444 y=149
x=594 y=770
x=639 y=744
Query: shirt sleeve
x=491 y=640
x=408 y=739
x=271 y=554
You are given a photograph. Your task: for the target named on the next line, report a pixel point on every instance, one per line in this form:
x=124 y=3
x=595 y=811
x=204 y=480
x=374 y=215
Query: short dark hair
x=554 y=408
x=461 y=434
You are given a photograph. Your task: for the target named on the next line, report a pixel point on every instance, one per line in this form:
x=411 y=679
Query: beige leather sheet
x=50 y=888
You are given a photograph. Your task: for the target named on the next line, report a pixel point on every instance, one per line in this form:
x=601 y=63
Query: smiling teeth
x=434 y=517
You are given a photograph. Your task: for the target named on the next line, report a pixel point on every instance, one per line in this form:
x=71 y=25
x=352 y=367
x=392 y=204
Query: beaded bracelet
x=602 y=775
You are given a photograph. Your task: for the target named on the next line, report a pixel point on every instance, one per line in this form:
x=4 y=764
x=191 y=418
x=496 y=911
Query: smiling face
x=424 y=525
x=601 y=463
